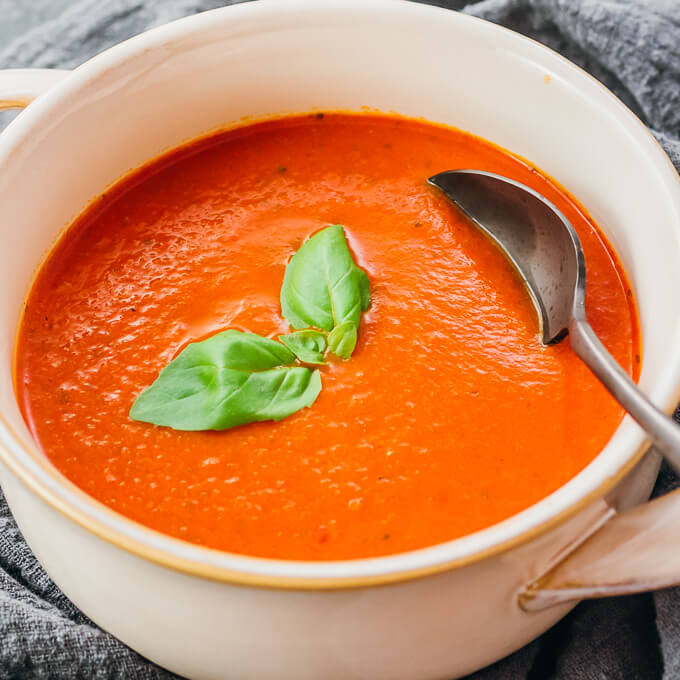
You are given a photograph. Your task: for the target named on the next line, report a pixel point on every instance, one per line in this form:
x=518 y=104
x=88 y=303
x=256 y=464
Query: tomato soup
x=450 y=415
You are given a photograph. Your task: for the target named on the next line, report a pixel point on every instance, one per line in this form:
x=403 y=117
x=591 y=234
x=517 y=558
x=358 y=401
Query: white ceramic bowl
x=433 y=613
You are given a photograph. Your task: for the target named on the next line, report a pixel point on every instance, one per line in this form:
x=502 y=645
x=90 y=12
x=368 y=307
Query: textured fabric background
x=633 y=46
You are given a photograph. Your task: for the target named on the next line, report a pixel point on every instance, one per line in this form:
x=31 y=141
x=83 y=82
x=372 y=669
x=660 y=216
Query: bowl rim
x=625 y=449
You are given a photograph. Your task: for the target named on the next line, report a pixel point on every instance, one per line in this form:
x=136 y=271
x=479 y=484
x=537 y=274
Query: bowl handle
x=632 y=552
x=19 y=87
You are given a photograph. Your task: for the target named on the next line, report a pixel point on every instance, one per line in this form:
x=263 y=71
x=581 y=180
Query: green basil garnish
x=233 y=377
x=364 y=288
x=308 y=345
x=342 y=340
x=230 y=379
x=324 y=288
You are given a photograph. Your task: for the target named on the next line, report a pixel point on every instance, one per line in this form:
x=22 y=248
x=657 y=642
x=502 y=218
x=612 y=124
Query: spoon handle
x=663 y=431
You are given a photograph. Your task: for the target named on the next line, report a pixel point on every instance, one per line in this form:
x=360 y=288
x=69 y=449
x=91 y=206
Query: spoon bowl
x=544 y=248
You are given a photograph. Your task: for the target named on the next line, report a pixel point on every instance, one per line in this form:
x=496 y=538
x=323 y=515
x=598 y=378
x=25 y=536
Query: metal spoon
x=544 y=248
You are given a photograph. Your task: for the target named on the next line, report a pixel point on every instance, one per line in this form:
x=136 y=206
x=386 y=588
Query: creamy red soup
x=450 y=415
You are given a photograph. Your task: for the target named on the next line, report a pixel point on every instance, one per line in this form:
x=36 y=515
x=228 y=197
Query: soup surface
x=449 y=416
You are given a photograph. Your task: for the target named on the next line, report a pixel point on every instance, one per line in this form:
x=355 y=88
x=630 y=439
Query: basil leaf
x=308 y=345
x=323 y=287
x=343 y=339
x=238 y=350
x=364 y=287
x=230 y=379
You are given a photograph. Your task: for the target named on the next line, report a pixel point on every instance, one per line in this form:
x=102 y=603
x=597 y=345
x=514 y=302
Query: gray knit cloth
x=633 y=46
